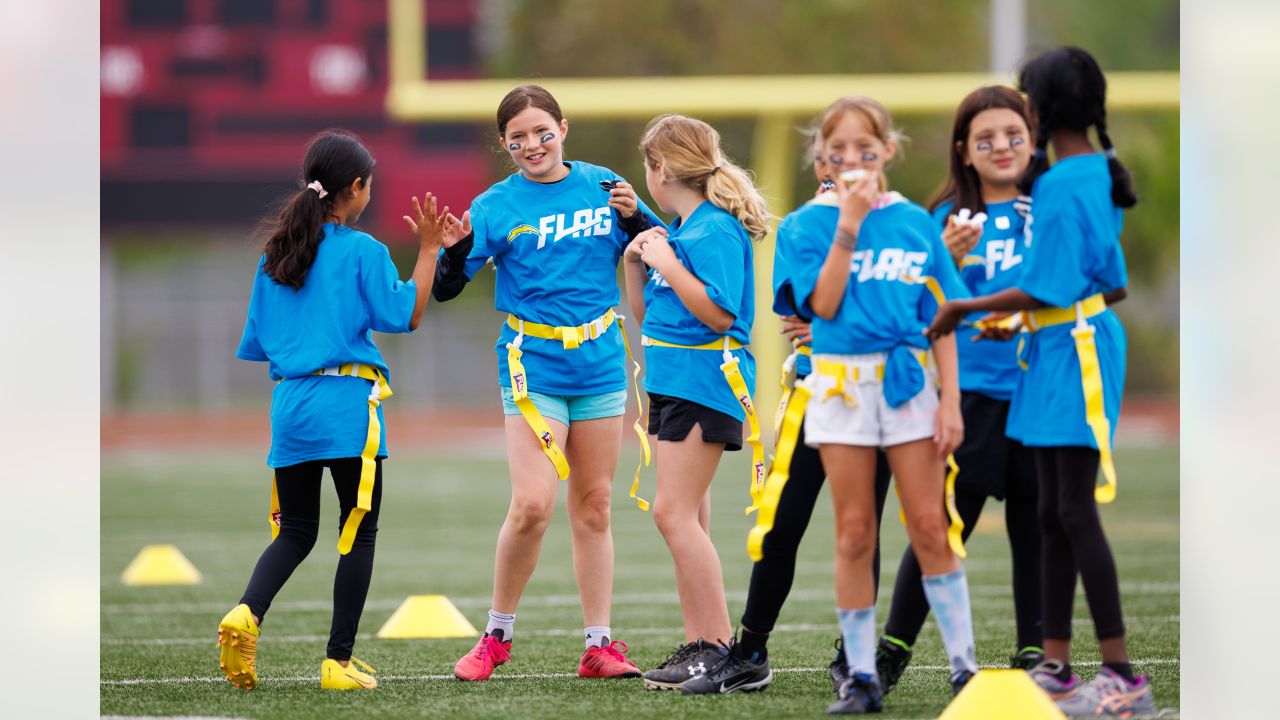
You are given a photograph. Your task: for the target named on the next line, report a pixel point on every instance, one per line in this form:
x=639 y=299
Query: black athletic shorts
x=671 y=418
x=992 y=463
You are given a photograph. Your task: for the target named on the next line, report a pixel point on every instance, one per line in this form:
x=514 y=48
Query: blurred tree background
x=559 y=38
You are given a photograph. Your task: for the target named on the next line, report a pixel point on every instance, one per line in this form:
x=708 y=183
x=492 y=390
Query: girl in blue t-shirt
x=870 y=269
x=319 y=290
x=1067 y=402
x=991 y=148
x=554 y=232
x=698 y=306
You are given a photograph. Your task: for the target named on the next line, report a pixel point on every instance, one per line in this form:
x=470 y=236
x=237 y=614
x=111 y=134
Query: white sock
x=501 y=621
x=948 y=597
x=598 y=636
x=859 y=630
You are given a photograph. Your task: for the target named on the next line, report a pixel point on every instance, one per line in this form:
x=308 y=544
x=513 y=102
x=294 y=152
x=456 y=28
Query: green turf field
x=440 y=519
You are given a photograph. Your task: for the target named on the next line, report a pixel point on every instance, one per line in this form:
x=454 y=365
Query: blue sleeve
x=939 y=216
x=250 y=347
x=483 y=245
x=806 y=249
x=719 y=261
x=388 y=300
x=783 y=292
x=943 y=270
x=1054 y=267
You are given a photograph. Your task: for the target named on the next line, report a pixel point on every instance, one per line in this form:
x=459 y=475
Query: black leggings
x=773 y=573
x=298 y=487
x=910 y=607
x=1073 y=542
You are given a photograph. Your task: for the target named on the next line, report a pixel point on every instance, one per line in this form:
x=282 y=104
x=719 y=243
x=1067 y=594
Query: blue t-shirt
x=1073 y=251
x=989 y=367
x=351 y=289
x=555 y=247
x=880 y=311
x=715 y=247
x=784 y=302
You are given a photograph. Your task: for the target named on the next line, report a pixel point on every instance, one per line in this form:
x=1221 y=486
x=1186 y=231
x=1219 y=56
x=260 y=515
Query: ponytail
x=1122 y=193
x=295 y=237
x=689 y=151
x=729 y=188
x=335 y=160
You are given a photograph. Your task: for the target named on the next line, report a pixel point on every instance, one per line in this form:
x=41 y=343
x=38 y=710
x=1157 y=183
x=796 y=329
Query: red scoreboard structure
x=207 y=106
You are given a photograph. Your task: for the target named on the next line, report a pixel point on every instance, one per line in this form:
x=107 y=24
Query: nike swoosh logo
x=357 y=679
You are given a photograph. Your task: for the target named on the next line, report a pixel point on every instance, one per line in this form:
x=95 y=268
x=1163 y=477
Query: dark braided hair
x=1069 y=92
x=335 y=159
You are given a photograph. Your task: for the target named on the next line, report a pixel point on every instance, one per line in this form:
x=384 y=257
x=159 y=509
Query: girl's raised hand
x=960 y=239
x=945 y=321
x=455 y=229
x=623 y=199
x=429 y=225
x=856 y=201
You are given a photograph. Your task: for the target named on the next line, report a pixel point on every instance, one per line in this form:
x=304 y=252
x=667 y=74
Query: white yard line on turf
x=556 y=676
x=477 y=601
x=568 y=632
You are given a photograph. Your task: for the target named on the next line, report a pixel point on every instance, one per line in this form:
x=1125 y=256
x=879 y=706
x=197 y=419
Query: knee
x=672 y=520
x=855 y=538
x=528 y=517
x=929 y=537
x=300 y=534
x=1078 y=519
x=591 y=512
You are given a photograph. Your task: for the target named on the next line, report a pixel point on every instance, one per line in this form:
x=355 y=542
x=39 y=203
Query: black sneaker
x=839 y=667
x=959 y=680
x=891 y=662
x=731 y=674
x=1027 y=658
x=859 y=693
x=688 y=661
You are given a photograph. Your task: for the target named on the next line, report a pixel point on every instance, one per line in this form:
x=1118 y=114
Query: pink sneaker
x=478 y=664
x=609 y=661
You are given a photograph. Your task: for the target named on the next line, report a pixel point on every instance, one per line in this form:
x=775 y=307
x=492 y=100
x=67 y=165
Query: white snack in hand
x=963 y=216
x=978 y=220
x=849 y=177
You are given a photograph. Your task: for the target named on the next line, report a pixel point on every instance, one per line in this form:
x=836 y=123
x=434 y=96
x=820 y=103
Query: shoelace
x=364 y=666
x=682 y=653
x=612 y=649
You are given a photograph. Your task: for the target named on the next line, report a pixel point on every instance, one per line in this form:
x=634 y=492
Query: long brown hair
x=873 y=112
x=963 y=186
x=334 y=159
x=689 y=151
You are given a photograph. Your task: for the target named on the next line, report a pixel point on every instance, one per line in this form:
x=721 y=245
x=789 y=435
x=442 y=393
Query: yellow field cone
x=427 y=616
x=1002 y=695
x=161 y=565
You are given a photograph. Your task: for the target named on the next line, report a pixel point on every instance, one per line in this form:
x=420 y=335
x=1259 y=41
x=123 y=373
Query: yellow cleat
x=335 y=677
x=238 y=647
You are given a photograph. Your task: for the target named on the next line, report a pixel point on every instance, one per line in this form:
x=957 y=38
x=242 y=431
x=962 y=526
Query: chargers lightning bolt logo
x=521 y=230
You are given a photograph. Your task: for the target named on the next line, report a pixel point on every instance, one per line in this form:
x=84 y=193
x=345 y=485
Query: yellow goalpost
x=776 y=102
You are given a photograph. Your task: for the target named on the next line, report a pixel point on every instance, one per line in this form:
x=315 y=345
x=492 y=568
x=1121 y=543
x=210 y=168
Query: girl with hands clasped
x=871 y=269
x=321 y=287
x=698 y=304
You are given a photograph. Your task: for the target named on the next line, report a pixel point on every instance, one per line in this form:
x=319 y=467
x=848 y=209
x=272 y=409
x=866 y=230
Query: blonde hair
x=689 y=151
x=873 y=113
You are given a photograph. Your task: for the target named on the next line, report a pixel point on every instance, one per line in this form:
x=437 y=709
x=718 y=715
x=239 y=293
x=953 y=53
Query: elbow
x=1117 y=295
x=414 y=322
x=824 y=310
x=722 y=325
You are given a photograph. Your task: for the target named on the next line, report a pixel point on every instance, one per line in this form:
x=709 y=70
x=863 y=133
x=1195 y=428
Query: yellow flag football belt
x=780 y=473
x=733 y=376
x=1090 y=377
x=572 y=338
x=368 y=457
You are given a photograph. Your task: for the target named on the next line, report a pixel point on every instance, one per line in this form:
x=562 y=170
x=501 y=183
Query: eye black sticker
x=985 y=146
x=547 y=138
x=869 y=157
x=514 y=147
x=1016 y=141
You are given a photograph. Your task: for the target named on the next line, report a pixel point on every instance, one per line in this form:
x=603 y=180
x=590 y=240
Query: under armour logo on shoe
x=698 y=669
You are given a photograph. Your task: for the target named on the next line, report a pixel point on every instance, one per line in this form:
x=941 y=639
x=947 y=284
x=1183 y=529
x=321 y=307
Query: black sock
x=1065 y=673
x=752 y=646
x=1124 y=669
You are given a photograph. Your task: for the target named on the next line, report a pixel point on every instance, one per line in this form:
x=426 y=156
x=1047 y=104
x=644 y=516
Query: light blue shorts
x=569 y=408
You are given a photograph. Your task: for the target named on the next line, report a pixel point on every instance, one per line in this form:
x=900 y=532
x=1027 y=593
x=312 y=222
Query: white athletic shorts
x=861 y=416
